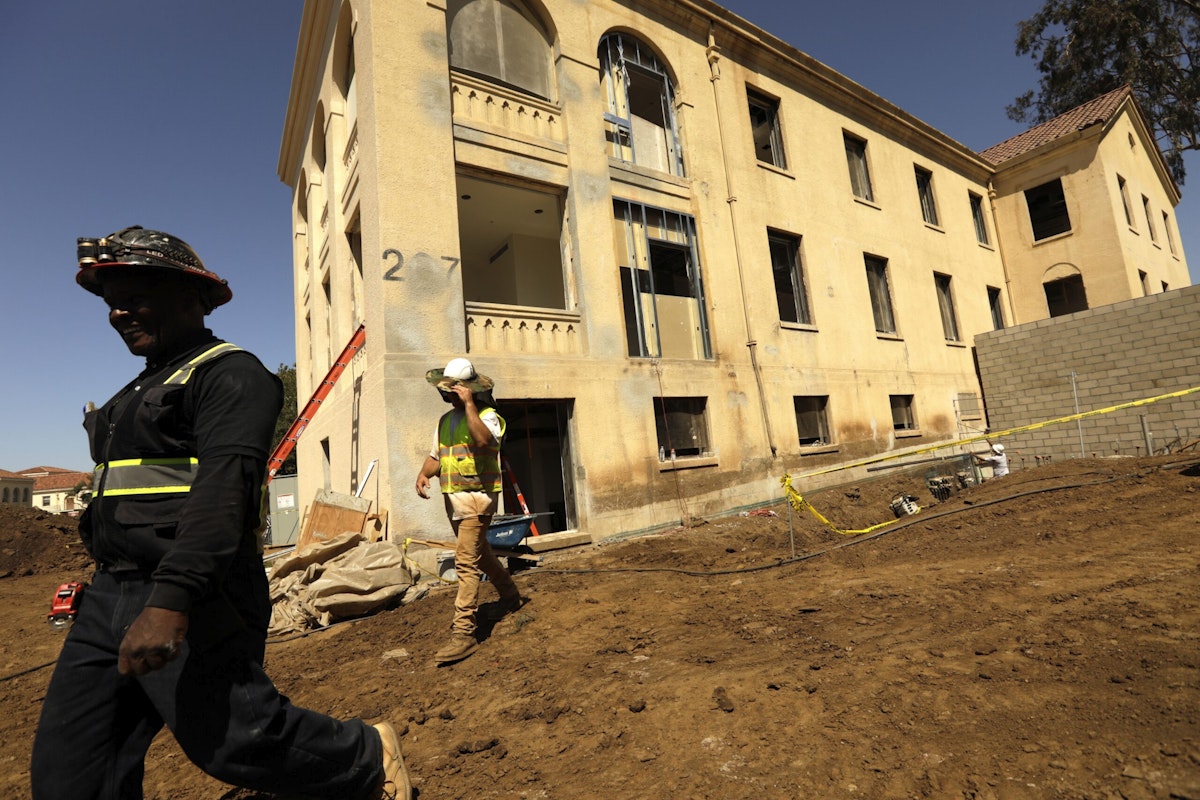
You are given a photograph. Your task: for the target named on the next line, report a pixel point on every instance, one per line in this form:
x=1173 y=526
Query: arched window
x=5 y=494
x=640 y=120
x=318 y=137
x=502 y=41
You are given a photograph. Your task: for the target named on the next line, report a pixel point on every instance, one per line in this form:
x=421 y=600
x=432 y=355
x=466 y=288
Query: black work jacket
x=224 y=417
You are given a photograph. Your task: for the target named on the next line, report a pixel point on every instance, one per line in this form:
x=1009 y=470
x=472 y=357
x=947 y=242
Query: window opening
x=1048 y=210
x=681 y=427
x=537 y=447
x=997 y=308
x=1149 y=219
x=661 y=288
x=925 y=192
x=903 y=417
x=764 y=124
x=501 y=41
x=640 y=121
x=856 y=160
x=1066 y=296
x=1167 y=229
x=981 y=233
x=790 y=294
x=881 y=299
x=510 y=242
x=1125 y=200
x=946 y=306
x=1144 y=279
x=812 y=424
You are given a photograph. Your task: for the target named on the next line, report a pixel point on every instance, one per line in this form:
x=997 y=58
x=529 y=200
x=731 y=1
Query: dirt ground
x=1037 y=636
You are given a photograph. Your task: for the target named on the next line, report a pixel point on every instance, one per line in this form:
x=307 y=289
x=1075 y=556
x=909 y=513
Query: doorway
x=537 y=447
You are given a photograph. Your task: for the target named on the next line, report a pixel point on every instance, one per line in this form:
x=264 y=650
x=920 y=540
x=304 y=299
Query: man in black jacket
x=173 y=628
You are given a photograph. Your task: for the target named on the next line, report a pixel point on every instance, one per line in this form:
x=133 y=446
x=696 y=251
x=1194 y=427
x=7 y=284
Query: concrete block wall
x=1118 y=353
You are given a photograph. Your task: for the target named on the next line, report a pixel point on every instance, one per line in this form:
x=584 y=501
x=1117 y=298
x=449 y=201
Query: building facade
x=692 y=257
x=59 y=491
x=15 y=488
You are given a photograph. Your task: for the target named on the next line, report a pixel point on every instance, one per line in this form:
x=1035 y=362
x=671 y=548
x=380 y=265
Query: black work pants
x=96 y=724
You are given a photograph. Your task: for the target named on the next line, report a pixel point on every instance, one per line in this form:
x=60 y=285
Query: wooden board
x=330 y=516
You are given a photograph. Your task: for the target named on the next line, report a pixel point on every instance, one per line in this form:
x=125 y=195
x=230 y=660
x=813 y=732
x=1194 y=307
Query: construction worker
x=173 y=628
x=466 y=461
x=997 y=460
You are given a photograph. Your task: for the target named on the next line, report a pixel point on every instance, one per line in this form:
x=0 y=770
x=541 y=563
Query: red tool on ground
x=65 y=605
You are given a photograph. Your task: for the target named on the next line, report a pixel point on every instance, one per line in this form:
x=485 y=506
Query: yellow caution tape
x=800 y=504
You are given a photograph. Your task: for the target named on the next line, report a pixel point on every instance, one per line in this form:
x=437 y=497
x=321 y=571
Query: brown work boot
x=395 y=784
x=505 y=606
x=461 y=645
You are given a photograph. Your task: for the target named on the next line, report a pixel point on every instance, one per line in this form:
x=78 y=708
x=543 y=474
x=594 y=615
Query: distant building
x=15 y=488
x=1086 y=211
x=59 y=491
x=692 y=256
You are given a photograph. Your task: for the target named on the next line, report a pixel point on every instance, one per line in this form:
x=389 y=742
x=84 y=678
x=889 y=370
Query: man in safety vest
x=466 y=461
x=173 y=628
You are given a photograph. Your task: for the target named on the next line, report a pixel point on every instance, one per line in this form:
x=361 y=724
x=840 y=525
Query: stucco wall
x=1120 y=353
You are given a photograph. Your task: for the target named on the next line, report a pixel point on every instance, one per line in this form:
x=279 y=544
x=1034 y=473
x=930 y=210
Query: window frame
x=1068 y=298
x=696 y=411
x=1150 y=220
x=504 y=64
x=1047 y=206
x=819 y=413
x=770 y=107
x=793 y=263
x=639 y=247
x=926 y=196
x=879 y=288
x=615 y=67
x=978 y=217
x=996 y=306
x=859 y=167
x=904 y=413
x=1123 y=188
x=943 y=285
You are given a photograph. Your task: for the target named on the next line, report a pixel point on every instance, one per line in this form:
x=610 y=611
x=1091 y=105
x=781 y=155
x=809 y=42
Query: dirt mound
x=33 y=542
x=1031 y=637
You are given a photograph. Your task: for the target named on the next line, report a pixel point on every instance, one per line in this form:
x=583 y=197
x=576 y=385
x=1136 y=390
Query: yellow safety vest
x=154 y=477
x=466 y=467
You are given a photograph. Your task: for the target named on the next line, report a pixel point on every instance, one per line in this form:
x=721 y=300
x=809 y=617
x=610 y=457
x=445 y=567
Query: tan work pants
x=473 y=558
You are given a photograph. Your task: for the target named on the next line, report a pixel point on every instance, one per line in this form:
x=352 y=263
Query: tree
x=287 y=415
x=1085 y=48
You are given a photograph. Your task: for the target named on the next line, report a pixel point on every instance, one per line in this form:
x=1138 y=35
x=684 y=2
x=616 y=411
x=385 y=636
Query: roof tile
x=1093 y=112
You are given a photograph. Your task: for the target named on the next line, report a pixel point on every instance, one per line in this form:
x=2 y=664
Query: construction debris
x=342 y=578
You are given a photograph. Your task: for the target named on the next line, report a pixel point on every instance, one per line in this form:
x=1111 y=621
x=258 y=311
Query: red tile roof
x=6 y=474
x=59 y=481
x=1093 y=112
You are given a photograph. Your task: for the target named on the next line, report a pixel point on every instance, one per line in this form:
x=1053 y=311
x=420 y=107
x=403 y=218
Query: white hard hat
x=459 y=370
x=997 y=448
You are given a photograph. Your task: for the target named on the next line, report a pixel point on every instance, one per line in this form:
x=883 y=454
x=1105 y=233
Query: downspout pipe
x=714 y=57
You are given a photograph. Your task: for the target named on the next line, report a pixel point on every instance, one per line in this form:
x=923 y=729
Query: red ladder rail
x=288 y=442
x=516 y=488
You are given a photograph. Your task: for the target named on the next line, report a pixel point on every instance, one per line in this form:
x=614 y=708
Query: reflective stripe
x=465 y=467
x=182 y=375
x=143 y=477
x=146 y=476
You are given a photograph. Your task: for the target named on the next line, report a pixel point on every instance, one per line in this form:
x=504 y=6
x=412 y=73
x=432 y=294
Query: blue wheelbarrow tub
x=508 y=530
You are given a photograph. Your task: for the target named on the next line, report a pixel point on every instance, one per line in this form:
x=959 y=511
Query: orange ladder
x=288 y=442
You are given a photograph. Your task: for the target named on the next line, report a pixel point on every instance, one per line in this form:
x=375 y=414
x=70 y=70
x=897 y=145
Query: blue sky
x=170 y=114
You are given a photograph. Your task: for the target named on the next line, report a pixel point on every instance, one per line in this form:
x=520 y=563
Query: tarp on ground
x=339 y=578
